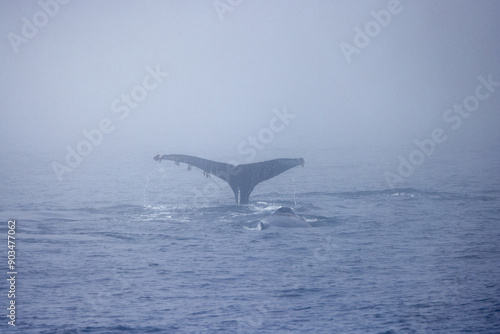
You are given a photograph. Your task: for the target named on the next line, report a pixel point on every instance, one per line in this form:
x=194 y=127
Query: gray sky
x=229 y=68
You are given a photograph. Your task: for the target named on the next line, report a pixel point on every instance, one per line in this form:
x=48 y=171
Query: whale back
x=284 y=217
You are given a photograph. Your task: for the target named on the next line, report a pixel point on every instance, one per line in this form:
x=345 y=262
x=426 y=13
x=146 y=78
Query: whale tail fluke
x=241 y=178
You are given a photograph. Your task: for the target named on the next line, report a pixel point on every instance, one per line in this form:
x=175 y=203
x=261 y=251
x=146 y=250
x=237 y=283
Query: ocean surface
x=124 y=244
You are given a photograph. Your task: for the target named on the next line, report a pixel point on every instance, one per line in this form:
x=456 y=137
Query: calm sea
x=126 y=245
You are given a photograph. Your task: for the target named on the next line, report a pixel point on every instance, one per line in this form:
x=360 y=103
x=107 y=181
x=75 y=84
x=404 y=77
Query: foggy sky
x=228 y=72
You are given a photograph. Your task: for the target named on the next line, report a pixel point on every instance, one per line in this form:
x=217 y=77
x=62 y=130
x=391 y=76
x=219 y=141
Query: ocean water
x=126 y=245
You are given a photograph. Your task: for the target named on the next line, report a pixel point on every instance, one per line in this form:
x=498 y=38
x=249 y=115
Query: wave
x=365 y=193
x=108 y=329
x=405 y=193
x=315 y=207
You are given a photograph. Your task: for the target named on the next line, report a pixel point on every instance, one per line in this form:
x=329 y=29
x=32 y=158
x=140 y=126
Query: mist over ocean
x=393 y=105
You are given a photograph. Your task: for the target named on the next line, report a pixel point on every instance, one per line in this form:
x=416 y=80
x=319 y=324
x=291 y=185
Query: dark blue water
x=126 y=245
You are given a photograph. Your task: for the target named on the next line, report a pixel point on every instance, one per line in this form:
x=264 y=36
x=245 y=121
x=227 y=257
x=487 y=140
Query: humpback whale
x=241 y=178
x=283 y=217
